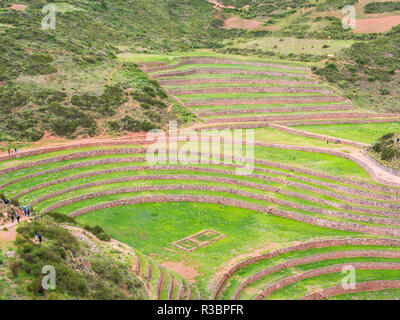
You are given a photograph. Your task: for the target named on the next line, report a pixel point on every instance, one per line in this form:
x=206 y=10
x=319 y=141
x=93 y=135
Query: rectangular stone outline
x=219 y=237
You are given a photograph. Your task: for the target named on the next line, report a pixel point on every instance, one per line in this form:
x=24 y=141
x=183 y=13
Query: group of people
x=27 y=213
x=336 y=141
x=11 y=151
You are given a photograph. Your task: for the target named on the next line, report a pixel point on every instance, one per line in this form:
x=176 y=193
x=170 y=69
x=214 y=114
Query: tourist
x=36 y=235
x=18 y=217
x=39 y=237
x=12 y=218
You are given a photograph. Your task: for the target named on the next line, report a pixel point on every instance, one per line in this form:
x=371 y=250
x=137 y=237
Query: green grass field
x=135 y=225
x=367 y=133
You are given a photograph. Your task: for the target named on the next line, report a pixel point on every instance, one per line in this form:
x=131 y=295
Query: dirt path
x=109 y=82
x=219 y=5
x=382 y=176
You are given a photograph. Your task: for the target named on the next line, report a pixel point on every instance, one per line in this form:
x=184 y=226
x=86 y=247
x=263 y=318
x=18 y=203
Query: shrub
x=98 y=232
x=387 y=136
x=389 y=153
x=15 y=202
x=61 y=218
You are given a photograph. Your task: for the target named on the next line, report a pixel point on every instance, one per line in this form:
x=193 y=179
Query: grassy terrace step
x=182 y=62
x=247 y=78
x=342 y=121
x=241 y=283
x=69 y=178
x=299 y=289
x=267 y=175
x=240 y=95
x=277 y=112
x=228 y=68
x=263 y=106
x=274 y=110
x=250 y=89
x=135 y=225
x=254 y=84
x=369 y=294
x=291 y=117
x=275 y=184
x=326 y=163
x=186 y=181
x=316 y=261
x=278 y=99
x=230 y=72
x=253 y=265
x=96 y=176
x=294 y=123
x=181 y=193
x=367 y=133
x=44 y=154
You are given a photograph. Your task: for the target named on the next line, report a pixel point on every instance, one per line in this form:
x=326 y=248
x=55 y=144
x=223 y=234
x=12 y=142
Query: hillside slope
x=368 y=72
x=67 y=81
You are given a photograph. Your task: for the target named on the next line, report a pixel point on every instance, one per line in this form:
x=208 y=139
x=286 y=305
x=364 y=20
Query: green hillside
x=68 y=81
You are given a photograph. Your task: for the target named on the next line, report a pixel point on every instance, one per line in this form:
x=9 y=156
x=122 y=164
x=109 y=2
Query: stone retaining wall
x=73 y=146
x=271 y=110
x=73 y=156
x=260 y=197
x=360 y=287
x=239 y=80
x=149 y=271
x=257 y=89
x=366 y=185
x=171 y=288
x=337 y=187
x=331 y=224
x=181 y=290
x=268 y=100
x=302 y=247
x=337 y=115
x=160 y=283
x=328 y=270
x=344 y=121
x=295 y=123
x=229 y=71
x=74 y=166
x=312 y=259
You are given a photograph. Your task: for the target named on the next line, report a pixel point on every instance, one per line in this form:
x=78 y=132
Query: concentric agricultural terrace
x=283 y=232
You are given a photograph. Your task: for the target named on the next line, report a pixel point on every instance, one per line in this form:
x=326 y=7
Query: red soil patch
x=18 y=7
x=187 y=272
x=219 y=5
x=8 y=237
x=239 y=23
x=372 y=25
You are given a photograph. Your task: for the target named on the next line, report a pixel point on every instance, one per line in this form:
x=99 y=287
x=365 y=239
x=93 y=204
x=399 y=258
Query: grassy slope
x=366 y=72
x=366 y=132
x=46 y=72
x=135 y=225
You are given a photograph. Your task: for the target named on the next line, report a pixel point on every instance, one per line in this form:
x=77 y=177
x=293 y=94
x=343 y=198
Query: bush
x=61 y=218
x=98 y=232
x=387 y=136
x=15 y=202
